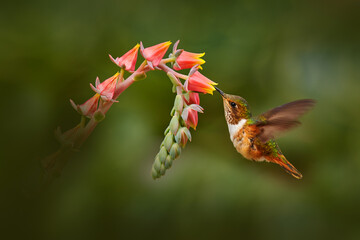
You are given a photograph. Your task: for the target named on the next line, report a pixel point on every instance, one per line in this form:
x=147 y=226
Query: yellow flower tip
x=200 y=67
x=137 y=46
x=201 y=61
x=201 y=54
x=168 y=43
x=210 y=91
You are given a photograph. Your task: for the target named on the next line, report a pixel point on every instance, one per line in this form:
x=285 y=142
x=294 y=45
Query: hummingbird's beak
x=221 y=92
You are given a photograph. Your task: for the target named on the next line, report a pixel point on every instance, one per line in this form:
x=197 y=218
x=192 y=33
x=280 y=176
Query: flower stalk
x=184 y=113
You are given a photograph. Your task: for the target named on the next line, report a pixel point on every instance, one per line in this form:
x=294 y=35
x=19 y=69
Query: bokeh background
x=269 y=52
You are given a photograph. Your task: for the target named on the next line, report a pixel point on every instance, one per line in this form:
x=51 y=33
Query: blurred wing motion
x=282 y=118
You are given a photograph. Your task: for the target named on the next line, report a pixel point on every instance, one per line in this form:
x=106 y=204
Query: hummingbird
x=253 y=137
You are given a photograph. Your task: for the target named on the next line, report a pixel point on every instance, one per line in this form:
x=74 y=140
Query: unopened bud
x=167 y=130
x=162 y=154
x=154 y=173
x=140 y=76
x=182 y=136
x=157 y=163
x=178 y=103
x=172 y=113
x=162 y=169
x=173 y=79
x=168 y=141
x=175 y=151
x=186 y=96
x=168 y=162
x=99 y=115
x=174 y=124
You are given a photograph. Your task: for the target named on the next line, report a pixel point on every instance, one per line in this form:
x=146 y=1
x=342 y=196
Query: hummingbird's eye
x=233 y=104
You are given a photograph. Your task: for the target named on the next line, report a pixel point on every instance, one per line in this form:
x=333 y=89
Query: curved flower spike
x=188 y=60
x=155 y=53
x=107 y=88
x=199 y=83
x=128 y=60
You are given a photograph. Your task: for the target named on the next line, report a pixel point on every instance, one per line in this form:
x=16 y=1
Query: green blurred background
x=269 y=52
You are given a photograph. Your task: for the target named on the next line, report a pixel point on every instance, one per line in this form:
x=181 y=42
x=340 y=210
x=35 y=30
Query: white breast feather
x=234 y=128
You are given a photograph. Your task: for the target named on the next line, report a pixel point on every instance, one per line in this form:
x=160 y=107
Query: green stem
x=121 y=77
x=168 y=60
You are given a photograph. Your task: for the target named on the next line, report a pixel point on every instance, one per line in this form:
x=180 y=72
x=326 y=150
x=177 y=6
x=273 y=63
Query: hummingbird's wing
x=282 y=118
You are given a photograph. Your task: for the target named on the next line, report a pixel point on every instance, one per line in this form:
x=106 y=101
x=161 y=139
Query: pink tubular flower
x=199 y=83
x=188 y=60
x=192 y=119
x=193 y=98
x=128 y=60
x=107 y=88
x=89 y=107
x=155 y=53
x=190 y=115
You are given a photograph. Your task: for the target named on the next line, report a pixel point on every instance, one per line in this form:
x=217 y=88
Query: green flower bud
x=172 y=113
x=179 y=103
x=168 y=162
x=157 y=163
x=187 y=96
x=173 y=79
x=167 y=130
x=162 y=169
x=162 y=154
x=175 y=151
x=140 y=76
x=154 y=173
x=168 y=141
x=173 y=89
x=174 y=124
x=99 y=116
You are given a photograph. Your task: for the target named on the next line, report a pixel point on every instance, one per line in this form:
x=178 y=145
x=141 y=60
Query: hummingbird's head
x=235 y=107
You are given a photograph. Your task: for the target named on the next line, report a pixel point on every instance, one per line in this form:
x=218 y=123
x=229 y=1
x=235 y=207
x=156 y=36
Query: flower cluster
x=184 y=115
x=186 y=106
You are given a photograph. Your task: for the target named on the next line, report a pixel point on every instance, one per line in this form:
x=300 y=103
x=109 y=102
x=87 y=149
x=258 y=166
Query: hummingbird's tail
x=286 y=165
